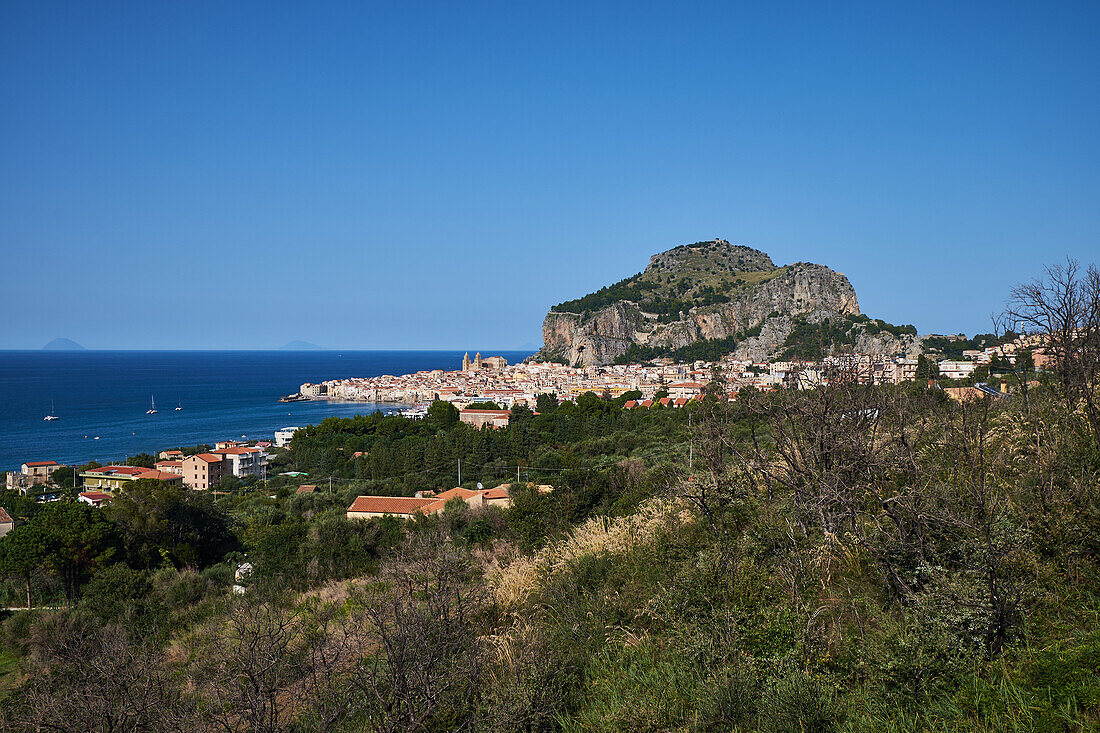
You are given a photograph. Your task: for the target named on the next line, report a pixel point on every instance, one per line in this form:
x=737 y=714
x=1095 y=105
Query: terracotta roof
x=388 y=504
x=235 y=451
x=456 y=493
x=117 y=471
x=306 y=489
x=500 y=492
x=161 y=475
x=173 y=464
x=433 y=508
x=41 y=463
x=95 y=495
x=5 y=518
x=208 y=457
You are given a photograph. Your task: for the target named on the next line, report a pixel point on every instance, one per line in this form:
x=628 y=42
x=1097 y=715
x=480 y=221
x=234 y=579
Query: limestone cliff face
x=596 y=339
x=703 y=291
x=769 y=343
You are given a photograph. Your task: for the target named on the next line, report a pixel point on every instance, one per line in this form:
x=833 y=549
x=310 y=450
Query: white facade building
x=282 y=437
x=957 y=369
x=243 y=462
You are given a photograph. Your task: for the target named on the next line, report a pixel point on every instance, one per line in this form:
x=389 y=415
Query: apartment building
x=203 y=471
x=957 y=369
x=243 y=462
x=284 y=436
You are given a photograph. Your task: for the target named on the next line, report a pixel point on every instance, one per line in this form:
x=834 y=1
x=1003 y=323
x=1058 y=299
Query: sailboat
x=51 y=416
x=179 y=405
x=152 y=410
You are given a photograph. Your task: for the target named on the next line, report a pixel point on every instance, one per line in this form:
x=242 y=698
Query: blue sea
x=224 y=395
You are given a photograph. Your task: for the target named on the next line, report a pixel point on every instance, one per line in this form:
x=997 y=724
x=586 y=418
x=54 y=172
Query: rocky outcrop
x=770 y=342
x=754 y=293
x=596 y=339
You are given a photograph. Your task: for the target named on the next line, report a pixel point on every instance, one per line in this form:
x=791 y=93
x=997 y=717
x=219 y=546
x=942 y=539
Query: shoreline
x=390 y=408
x=223 y=394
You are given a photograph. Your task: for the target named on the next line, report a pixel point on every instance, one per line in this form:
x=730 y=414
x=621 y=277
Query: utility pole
x=691 y=443
x=330 y=484
x=517 y=475
x=459 y=471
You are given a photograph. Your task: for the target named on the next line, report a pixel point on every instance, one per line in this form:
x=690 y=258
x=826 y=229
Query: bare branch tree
x=1063 y=307
x=99 y=680
x=428 y=662
x=250 y=666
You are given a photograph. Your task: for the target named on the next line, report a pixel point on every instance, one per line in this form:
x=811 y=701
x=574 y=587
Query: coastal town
x=491 y=379
x=485 y=391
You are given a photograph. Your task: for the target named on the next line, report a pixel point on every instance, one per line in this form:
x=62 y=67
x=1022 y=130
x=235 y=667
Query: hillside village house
x=472 y=498
x=175 y=467
x=481 y=418
x=498 y=496
x=365 y=507
x=113 y=478
x=7 y=524
x=31 y=473
x=94 y=498
x=203 y=471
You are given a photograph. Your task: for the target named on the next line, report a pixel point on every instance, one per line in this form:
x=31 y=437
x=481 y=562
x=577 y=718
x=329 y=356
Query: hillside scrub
x=846 y=558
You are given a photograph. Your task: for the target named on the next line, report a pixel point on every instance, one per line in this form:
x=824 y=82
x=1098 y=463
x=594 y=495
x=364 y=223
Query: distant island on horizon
x=298 y=345
x=63 y=344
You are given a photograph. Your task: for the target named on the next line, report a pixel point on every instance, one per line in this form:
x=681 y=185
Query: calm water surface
x=224 y=394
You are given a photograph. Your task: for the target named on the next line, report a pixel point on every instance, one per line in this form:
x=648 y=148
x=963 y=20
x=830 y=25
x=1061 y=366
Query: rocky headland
x=715 y=291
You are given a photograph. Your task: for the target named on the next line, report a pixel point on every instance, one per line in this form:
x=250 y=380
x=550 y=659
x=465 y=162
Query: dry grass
x=513 y=582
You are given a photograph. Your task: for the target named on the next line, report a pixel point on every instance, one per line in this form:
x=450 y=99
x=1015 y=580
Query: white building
x=957 y=369
x=243 y=462
x=282 y=437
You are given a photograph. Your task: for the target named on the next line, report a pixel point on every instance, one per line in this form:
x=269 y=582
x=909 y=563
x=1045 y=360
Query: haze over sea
x=224 y=394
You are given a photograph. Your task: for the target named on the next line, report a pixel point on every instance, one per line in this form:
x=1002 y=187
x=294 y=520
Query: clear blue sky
x=417 y=175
